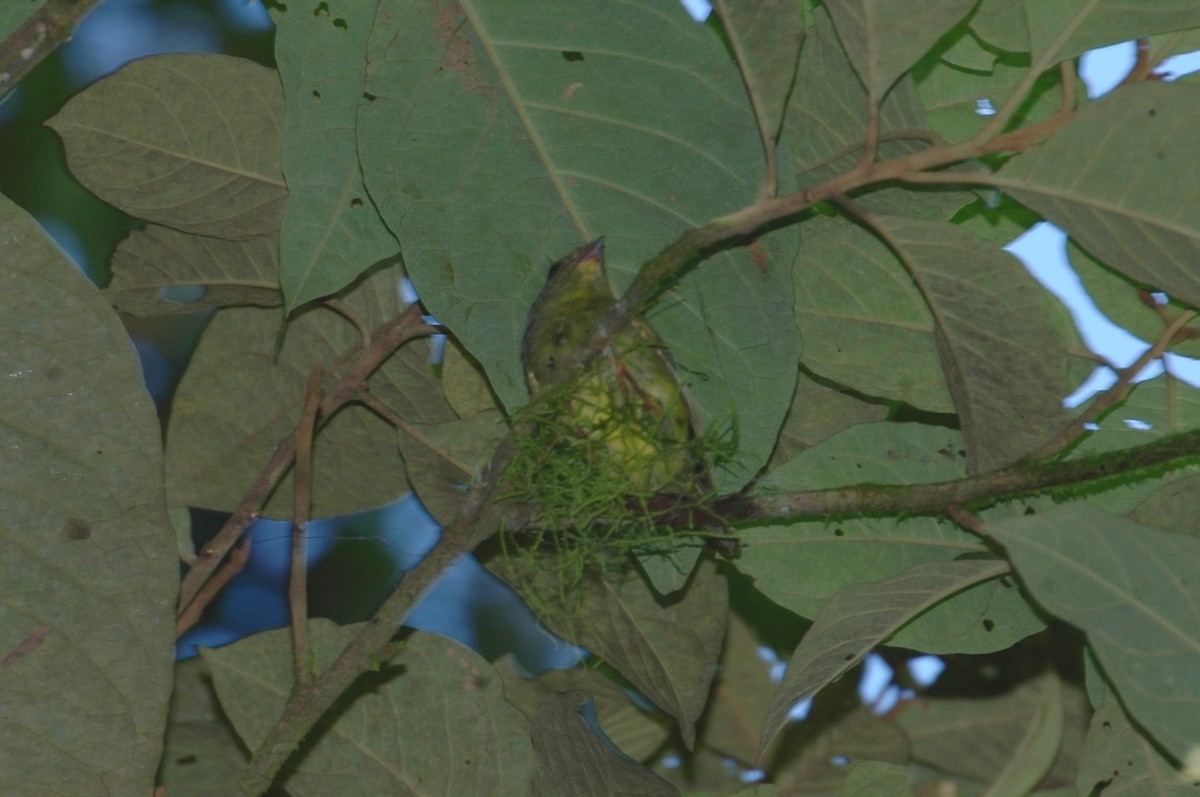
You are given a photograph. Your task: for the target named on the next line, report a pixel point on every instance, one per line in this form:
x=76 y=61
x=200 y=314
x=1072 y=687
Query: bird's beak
x=594 y=249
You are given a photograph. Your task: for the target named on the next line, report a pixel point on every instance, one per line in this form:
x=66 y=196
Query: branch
x=1021 y=479
x=298 y=580
x=477 y=520
x=51 y=25
x=1116 y=392
x=390 y=336
x=374 y=643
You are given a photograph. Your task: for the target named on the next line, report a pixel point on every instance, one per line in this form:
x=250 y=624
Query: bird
x=628 y=398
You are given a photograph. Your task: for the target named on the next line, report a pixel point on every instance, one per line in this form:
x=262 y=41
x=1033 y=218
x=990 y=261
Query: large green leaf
x=1127 y=586
x=190 y=141
x=89 y=576
x=1065 y=28
x=827 y=112
x=885 y=37
x=498 y=138
x=765 y=37
x=1002 y=23
x=434 y=720
x=331 y=231
x=158 y=269
x=860 y=617
x=1118 y=178
x=1004 y=359
x=817 y=413
x=572 y=759
x=994 y=738
x=636 y=731
x=865 y=323
x=668 y=649
x=1121 y=761
x=801 y=565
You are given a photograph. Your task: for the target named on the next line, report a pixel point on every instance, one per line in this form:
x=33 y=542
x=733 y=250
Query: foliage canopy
x=806 y=204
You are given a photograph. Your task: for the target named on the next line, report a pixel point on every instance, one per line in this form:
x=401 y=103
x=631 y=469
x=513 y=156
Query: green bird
x=629 y=397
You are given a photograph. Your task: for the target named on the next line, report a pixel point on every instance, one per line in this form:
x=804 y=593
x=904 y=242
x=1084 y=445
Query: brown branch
x=233 y=565
x=1021 y=479
x=41 y=34
x=1115 y=393
x=390 y=336
x=298 y=581
x=477 y=521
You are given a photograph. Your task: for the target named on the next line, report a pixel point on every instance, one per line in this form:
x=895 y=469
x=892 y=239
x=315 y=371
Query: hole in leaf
x=572 y=55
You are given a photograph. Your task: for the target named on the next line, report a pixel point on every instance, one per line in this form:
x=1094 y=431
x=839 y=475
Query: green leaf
x=1002 y=24
x=635 y=731
x=1005 y=360
x=884 y=38
x=190 y=141
x=241 y=395
x=569 y=121
x=864 y=322
x=951 y=95
x=1111 y=178
x=88 y=579
x=1121 y=761
x=766 y=38
x=832 y=735
x=861 y=616
x=817 y=413
x=877 y=779
x=1037 y=746
x=1120 y=582
x=801 y=565
x=571 y=759
x=203 y=755
x=733 y=720
x=156 y=269
x=1064 y=29
x=993 y=738
x=668 y=650
x=826 y=114
x=331 y=231
x=433 y=720
x=1175 y=507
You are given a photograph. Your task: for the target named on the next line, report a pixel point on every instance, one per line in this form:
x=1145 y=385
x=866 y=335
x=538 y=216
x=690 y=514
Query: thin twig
x=871 y=145
x=50 y=26
x=374 y=643
x=391 y=335
x=298 y=581
x=1115 y=393
x=368 y=400
x=232 y=566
